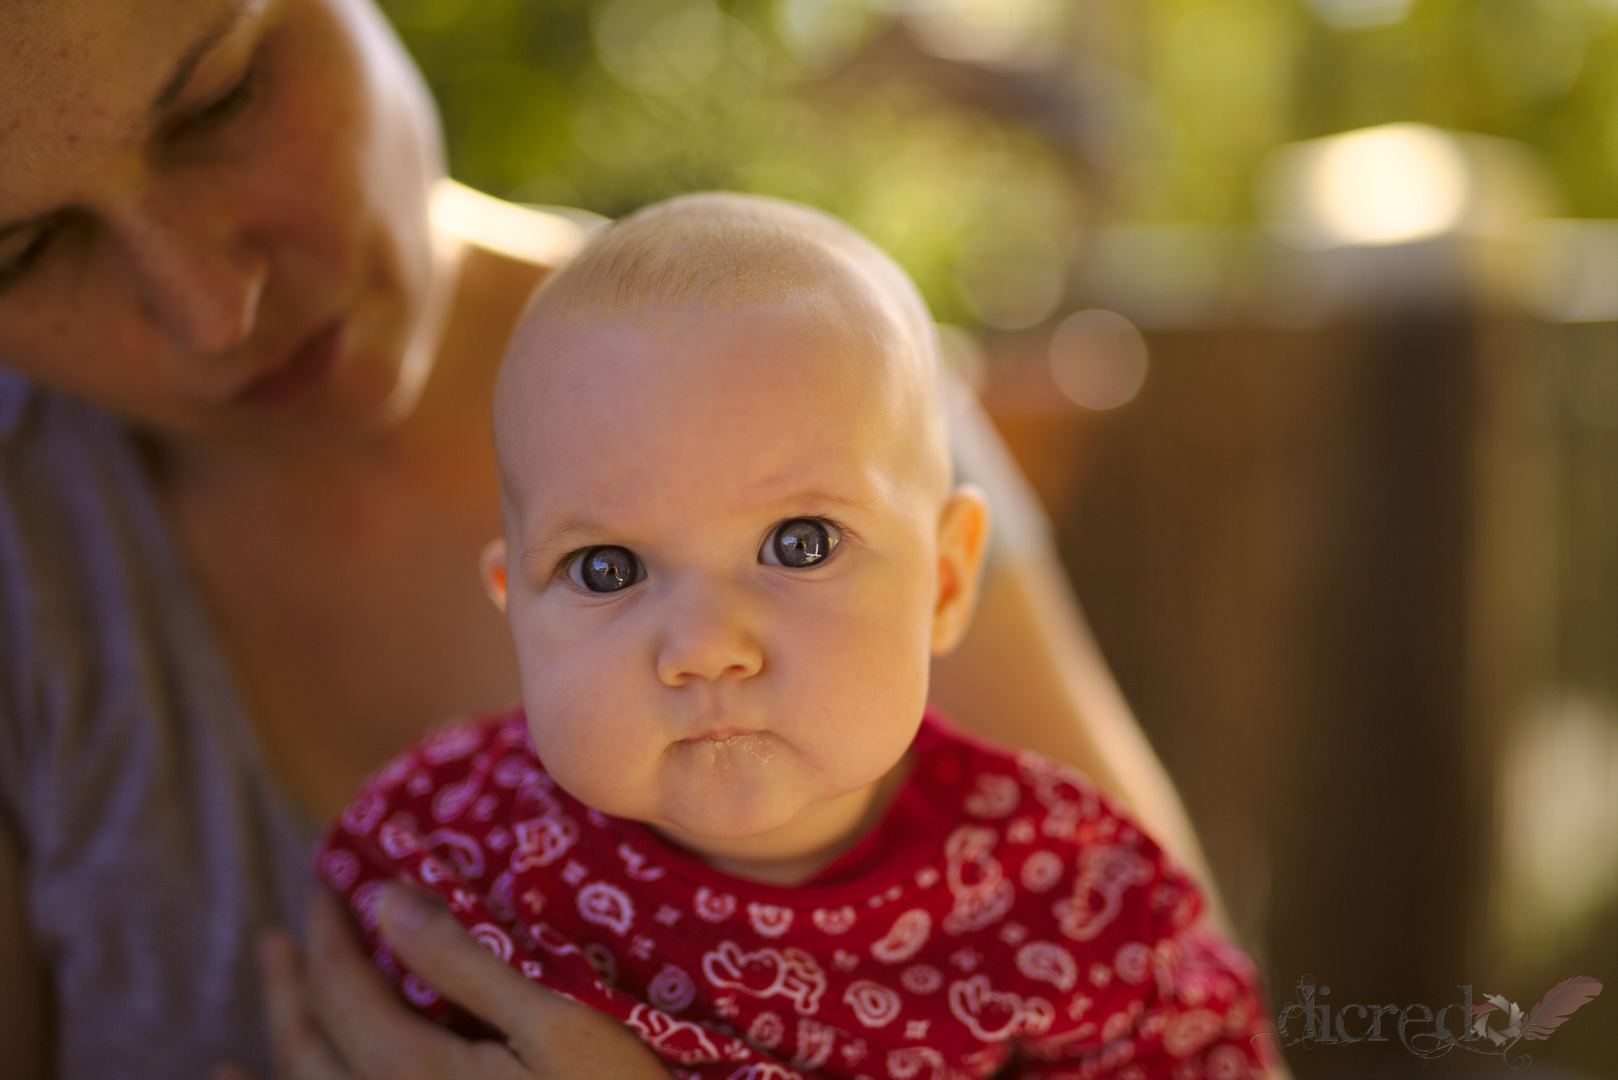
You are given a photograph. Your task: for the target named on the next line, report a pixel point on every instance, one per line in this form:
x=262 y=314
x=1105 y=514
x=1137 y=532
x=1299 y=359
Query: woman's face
x=213 y=213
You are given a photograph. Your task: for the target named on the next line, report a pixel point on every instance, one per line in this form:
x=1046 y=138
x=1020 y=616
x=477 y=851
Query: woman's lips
x=306 y=368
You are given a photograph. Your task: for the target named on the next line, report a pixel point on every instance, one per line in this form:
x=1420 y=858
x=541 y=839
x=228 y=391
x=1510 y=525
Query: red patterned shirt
x=1002 y=909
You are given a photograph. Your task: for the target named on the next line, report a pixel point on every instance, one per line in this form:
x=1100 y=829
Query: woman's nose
x=709 y=634
x=196 y=275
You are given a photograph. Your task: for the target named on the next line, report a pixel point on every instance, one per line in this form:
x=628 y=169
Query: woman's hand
x=332 y=1016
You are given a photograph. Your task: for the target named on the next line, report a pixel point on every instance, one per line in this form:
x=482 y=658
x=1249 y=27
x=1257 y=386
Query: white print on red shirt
x=1001 y=902
x=792 y=974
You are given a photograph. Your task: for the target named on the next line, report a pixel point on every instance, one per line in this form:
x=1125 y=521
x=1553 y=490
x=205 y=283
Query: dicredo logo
x=1494 y=1026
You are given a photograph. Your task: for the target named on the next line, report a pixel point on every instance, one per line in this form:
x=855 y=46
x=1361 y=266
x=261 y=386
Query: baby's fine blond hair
x=722 y=250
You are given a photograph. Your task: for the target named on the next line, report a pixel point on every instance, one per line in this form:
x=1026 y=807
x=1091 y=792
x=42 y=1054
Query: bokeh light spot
x=1012 y=278
x=1098 y=359
x=821 y=33
x=1360 y=14
x=1392 y=184
x=659 y=47
x=984 y=31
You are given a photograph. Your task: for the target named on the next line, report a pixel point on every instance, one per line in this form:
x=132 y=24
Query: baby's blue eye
x=606 y=569
x=799 y=542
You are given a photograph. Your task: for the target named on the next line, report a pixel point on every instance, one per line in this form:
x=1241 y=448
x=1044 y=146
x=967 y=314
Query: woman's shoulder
x=78 y=520
x=73 y=526
x=541 y=235
x=33 y=418
x=127 y=771
x=63 y=464
x=103 y=641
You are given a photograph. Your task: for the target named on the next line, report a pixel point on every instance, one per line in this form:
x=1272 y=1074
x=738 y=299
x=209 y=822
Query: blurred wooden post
x=1272 y=547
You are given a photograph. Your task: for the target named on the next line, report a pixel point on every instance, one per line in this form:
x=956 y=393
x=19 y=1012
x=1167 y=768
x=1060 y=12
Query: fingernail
x=406 y=909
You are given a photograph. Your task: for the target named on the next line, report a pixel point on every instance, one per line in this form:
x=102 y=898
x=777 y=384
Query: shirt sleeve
x=1198 y=1017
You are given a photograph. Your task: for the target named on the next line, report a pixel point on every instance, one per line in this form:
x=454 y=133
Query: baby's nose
x=709 y=634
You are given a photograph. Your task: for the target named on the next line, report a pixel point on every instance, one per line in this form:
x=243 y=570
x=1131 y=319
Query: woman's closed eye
x=799 y=543
x=17 y=258
x=219 y=112
x=605 y=568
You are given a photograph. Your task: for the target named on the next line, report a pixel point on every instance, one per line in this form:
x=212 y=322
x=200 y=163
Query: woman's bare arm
x=24 y=991
x=1029 y=673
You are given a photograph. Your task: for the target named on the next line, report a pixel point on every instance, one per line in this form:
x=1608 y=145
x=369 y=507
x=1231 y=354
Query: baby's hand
x=332 y=1016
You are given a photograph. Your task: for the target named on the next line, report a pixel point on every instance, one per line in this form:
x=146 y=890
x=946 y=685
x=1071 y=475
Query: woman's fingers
x=552 y=1036
x=432 y=944
x=373 y=1033
x=339 y=1019
x=298 y=1050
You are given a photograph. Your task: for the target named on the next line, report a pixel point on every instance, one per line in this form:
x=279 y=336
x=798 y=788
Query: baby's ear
x=493 y=567
x=963 y=537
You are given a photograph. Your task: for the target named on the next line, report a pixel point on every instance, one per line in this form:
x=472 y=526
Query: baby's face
x=730 y=558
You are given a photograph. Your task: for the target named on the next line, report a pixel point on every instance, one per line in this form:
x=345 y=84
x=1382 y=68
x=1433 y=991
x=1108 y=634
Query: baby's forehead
x=754 y=401
x=672 y=283
x=700 y=262
x=821 y=333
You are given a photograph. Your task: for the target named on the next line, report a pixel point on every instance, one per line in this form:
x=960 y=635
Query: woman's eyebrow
x=193 y=56
x=181 y=75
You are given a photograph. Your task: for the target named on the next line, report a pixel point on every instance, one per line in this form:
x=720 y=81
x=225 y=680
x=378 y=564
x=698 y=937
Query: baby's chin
x=740 y=813
x=731 y=792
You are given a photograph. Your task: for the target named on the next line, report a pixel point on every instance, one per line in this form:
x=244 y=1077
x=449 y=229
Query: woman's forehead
x=80 y=78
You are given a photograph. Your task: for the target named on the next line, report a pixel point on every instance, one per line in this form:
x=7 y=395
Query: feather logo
x=1495 y=1028
x=1559 y=1003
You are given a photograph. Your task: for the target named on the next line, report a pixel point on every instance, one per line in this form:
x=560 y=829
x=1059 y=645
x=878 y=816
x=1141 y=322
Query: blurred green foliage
x=1170 y=104
x=1231 y=78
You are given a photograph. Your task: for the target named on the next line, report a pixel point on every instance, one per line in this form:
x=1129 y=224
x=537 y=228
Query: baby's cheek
x=890 y=628
x=584 y=732
x=581 y=691
x=877 y=667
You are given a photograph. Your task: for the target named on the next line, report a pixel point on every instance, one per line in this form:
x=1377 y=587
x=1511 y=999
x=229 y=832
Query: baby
x=724 y=813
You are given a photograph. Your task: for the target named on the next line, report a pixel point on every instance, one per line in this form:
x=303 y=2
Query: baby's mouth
x=725 y=734
x=727 y=742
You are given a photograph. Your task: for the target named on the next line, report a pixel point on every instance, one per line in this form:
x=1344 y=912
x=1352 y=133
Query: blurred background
x=1302 y=317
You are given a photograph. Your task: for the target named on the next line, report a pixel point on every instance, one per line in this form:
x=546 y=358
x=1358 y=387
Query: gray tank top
x=155 y=843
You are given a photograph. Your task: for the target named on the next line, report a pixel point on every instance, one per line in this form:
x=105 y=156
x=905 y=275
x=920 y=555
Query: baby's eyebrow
x=848 y=508
x=792 y=499
x=815 y=497
x=554 y=541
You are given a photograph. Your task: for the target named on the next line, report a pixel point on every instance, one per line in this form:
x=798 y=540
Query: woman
x=244 y=478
